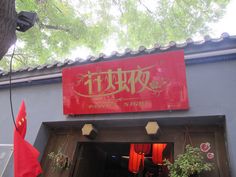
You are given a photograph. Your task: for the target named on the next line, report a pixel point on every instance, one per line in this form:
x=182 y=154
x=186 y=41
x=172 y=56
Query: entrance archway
x=99 y=157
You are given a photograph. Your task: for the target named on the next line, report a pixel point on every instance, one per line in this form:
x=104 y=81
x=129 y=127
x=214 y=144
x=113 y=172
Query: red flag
x=25 y=155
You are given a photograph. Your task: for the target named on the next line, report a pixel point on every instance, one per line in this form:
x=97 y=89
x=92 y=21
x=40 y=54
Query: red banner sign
x=153 y=82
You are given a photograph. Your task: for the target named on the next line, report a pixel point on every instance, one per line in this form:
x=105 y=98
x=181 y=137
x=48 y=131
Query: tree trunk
x=7 y=25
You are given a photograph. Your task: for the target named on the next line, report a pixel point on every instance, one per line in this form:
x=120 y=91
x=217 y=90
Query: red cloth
x=25 y=155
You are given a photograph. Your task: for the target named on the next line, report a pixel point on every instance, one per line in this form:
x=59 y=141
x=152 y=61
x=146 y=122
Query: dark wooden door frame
x=137 y=134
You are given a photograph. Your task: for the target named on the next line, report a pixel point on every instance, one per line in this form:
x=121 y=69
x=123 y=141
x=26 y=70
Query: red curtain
x=135 y=160
x=157 y=150
x=142 y=148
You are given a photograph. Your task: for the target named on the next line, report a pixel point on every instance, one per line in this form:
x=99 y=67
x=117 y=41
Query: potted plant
x=189 y=164
x=60 y=161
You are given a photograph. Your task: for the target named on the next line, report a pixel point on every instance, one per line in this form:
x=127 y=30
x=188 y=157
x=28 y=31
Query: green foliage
x=58 y=30
x=64 y=25
x=189 y=163
x=59 y=160
x=169 y=21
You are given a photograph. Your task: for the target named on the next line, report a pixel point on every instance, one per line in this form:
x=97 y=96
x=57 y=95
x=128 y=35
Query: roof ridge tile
x=189 y=44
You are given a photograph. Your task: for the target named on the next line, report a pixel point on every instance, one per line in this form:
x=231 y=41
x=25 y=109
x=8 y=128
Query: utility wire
x=10 y=87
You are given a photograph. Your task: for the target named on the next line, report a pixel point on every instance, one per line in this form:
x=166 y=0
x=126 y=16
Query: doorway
x=113 y=160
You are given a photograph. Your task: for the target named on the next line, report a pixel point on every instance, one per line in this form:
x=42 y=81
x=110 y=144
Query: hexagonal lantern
x=152 y=129
x=89 y=131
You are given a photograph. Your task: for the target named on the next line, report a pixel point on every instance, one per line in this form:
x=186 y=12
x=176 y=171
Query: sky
x=226 y=24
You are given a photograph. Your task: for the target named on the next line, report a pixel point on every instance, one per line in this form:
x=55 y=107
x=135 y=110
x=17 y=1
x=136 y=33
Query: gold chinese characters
x=111 y=82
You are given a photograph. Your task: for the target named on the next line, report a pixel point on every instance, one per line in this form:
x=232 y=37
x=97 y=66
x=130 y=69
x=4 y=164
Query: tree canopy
x=63 y=25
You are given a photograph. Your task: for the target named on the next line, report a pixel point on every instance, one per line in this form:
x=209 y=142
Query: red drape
x=157 y=150
x=25 y=155
x=142 y=148
x=135 y=160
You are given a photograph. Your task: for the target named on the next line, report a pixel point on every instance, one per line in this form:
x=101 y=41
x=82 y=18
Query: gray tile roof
x=225 y=41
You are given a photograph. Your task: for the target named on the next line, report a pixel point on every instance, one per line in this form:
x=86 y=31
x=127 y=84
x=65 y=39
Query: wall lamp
x=25 y=20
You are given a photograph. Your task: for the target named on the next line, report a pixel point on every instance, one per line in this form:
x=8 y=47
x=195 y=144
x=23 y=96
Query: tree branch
x=151 y=12
x=19 y=59
x=41 y=1
x=118 y=3
x=51 y=27
x=18 y=54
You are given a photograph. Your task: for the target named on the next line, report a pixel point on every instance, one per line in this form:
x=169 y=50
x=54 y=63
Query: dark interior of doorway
x=112 y=159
